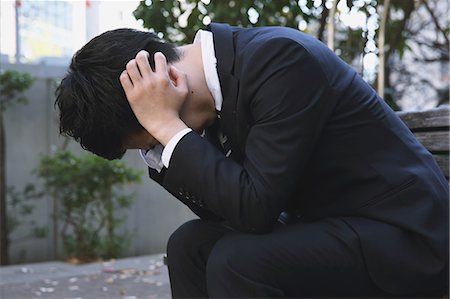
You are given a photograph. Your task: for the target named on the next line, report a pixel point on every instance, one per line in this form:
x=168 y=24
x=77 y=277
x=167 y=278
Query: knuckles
x=149 y=84
x=162 y=81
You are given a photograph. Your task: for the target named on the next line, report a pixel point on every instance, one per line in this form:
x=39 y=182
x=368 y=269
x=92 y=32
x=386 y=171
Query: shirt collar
x=210 y=65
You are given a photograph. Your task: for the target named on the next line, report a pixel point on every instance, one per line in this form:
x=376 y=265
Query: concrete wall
x=31 y=131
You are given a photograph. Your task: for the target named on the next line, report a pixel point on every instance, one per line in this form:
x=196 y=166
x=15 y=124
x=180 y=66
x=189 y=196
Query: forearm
x=221 y=185
x=165 y=130
x=202 y=212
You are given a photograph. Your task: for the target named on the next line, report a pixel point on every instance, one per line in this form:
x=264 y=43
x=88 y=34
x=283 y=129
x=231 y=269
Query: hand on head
x=156 y=97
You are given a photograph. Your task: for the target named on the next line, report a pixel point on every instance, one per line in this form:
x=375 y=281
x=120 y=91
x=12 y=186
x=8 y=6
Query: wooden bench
x=431 y=128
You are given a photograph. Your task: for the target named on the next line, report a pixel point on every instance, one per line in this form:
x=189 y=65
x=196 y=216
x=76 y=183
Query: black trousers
x=302 y=260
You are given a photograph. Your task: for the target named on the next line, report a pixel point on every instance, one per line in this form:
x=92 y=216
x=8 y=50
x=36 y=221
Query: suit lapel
x=224 y=50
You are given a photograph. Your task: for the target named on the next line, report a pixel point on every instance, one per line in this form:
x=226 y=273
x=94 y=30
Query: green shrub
x=91 y=203
x=21 y=206
x=12 y=85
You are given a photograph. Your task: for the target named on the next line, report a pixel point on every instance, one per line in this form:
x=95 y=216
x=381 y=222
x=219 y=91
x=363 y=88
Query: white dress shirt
x=159 y=156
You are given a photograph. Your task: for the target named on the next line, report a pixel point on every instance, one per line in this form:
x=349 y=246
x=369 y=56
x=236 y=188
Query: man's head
x=92 y=104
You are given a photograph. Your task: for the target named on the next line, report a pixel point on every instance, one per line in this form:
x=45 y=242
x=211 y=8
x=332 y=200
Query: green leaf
x=12 y=85
x=89 y=193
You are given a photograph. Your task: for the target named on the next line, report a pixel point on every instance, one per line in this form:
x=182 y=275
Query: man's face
x=142 y=140
x=145 y=141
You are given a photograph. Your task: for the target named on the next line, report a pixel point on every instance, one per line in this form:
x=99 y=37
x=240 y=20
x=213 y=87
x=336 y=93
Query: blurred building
x=34 y=30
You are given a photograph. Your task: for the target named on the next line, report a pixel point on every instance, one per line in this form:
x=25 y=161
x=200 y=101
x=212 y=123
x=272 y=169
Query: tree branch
x=395 y=40
x=436 y=21
x=323 y=21
x=381 y=50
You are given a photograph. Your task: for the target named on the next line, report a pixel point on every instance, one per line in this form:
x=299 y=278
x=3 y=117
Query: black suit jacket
x=310 y=137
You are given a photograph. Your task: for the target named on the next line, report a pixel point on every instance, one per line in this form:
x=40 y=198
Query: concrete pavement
x=144 y=277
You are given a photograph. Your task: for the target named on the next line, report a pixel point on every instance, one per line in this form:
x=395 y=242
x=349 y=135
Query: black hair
x=92 y=103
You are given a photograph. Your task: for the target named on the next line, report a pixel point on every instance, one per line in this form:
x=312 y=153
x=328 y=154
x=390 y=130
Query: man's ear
x=171 y=77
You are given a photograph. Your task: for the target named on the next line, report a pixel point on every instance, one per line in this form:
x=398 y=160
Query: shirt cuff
x=170 y=146
x=152 y=157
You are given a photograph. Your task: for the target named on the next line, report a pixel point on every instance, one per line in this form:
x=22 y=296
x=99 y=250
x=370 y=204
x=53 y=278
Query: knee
x=235 y=270
x=220 y=270
x=228 y=259
x=182 y=237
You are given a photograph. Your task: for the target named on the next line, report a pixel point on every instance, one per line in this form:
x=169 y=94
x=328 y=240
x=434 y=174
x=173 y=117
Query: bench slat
x=433 y=118
x=443 y=162
x=437 y=141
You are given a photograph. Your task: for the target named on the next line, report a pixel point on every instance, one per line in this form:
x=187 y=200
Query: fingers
x=133 y=71
x=139 y=70
x=139 y=67
x=161 y=64
x=143 y=64
x=126 y=81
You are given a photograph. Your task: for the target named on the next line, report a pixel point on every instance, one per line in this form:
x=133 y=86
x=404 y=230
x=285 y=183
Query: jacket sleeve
x=289 y=101
x=197 y=207
x=155 y=175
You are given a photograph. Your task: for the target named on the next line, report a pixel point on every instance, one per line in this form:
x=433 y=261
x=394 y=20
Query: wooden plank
x=431 y=128
x=432 y=118
x=443 y=162
x=436 y=141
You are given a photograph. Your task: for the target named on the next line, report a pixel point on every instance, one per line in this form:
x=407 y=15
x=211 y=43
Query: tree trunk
x=323 y=22
x=381 y=43
x=330 y=39
x=395 y=37
x=4 y=259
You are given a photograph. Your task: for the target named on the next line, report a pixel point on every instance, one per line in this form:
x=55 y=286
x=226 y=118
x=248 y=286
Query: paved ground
x=144 y=277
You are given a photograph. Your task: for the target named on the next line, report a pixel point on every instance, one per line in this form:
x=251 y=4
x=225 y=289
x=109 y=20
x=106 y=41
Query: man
x=307 y=184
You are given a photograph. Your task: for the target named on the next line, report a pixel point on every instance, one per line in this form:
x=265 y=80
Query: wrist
x=164 y=131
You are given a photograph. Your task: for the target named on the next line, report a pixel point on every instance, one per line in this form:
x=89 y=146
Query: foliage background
x=91 y=204
x=12 y=85
x=416 y=34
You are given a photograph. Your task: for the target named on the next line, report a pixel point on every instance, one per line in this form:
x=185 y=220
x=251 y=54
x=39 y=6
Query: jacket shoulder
x=267 y=45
